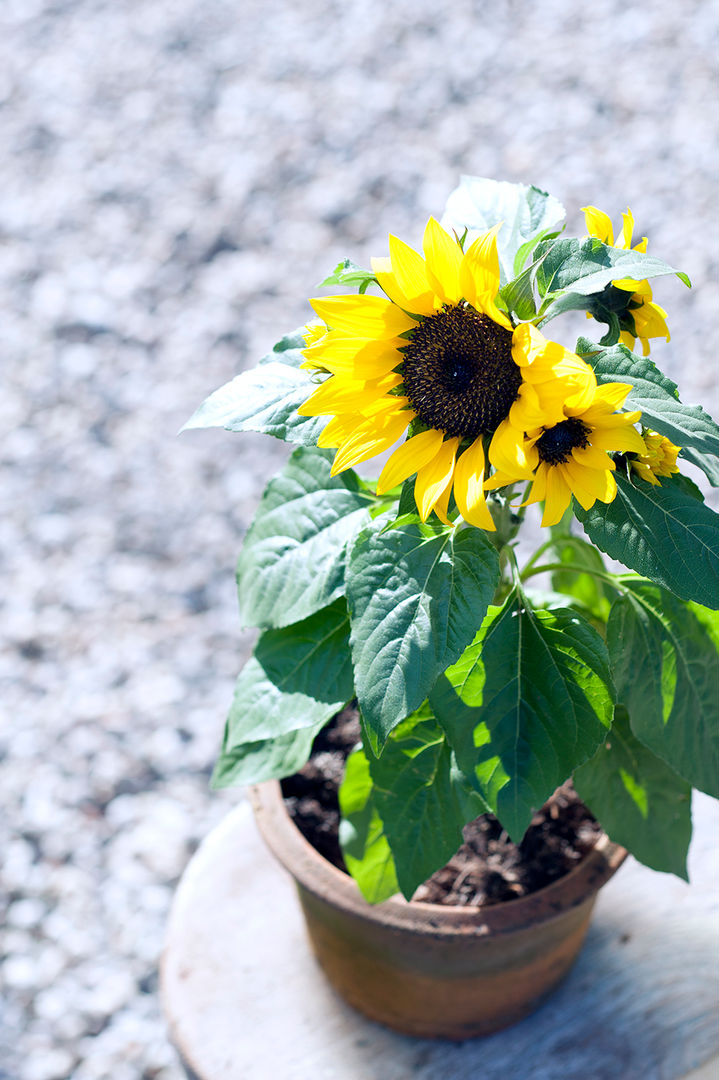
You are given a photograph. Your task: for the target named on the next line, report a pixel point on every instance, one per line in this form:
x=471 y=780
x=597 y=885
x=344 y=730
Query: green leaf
x=349 y=274
x=478 y=204
x=266 y=759
x=526 y=250
x=266 y=398
x=664 y=533
x=639 y=800
x=518 y=295
x=708 y=465
x=655 y=395
x=293 y=559
x=418 y=799
x=666 y=668
x=585 y=266
x=298 y=677
x=416 y=595
x=362 y=837
x=529 y=701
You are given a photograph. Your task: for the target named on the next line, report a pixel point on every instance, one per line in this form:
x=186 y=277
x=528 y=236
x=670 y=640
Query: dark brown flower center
x=459 y=374
x=555 y=445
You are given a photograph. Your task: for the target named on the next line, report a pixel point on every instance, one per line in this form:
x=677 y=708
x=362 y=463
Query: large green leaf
x=666 y=668
x=362 y=837
x=293 y=559
x=664 y=533
x=419 y=799
x=478 y=204
x=266 y=398
x=528 y=702
x=582 y=267
x=655 y=395
x=639 y=800
x=298 y=676
x=416 y=594
x=266 y=759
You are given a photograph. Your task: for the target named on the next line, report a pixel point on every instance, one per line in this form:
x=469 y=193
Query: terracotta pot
x=427 y=969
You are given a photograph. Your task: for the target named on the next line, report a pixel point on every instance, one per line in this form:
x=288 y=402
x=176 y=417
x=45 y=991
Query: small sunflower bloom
x=645 y=318
x=659 y=458
x=438 y=352
x=571 y=456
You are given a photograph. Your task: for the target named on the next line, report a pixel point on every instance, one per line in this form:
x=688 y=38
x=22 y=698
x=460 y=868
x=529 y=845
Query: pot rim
x=327 y=882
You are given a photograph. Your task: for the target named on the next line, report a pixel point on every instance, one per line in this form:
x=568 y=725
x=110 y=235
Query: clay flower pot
x=430 y=970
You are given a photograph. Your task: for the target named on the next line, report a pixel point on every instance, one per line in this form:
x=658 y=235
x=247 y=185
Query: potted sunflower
x=481 y=683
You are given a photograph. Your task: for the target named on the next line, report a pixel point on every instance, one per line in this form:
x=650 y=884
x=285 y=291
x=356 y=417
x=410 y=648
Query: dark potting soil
x=487 y=869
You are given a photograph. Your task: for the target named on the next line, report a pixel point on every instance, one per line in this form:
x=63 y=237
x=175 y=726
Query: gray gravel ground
x=175 y=177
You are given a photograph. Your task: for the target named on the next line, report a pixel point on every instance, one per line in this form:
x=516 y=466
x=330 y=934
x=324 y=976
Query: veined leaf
x=299 y=676
x=293 y=559
x=529 y=701
x=478 y=204
x=418 y=798
x=266 y=759
x=585 y=266
x=639 y=800
x=416 y=594
x=349 y=274
x=655 y=395
x=664 y=533
x=266 y=398
x=362 y=837
x=666 y=668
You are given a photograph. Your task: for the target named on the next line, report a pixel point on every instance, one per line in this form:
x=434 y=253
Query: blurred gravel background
x=175 y=177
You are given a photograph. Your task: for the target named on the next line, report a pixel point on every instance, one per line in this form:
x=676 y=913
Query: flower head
x=436 y=352
x=568 y=454
x=642 y=318
x=658 y=459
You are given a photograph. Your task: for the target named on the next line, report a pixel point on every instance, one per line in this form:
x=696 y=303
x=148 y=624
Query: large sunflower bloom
x=436 y=352
x=645 y=319
x=570 y=456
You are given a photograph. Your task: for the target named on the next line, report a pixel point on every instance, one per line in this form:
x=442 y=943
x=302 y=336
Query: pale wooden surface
x=245 y=999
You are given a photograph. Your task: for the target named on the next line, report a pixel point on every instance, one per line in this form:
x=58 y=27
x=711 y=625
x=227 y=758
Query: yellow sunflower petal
x=593 y=458
x=479 y=275
x=598 y=224
x=538 y=490
x=442 y=505
x=410 y=277
x=469 y=487
x=337 y=430
x=363 y=316
x=353 y=357
x=557 y=496
x=408 y=458
x=511 y=453
x=617 y=439
x=338 y=395
x=433 y=477
x=624 y=240
x=443 y=257
x=370 y=438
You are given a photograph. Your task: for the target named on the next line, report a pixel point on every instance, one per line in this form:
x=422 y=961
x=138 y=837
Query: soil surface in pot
x=487 y=869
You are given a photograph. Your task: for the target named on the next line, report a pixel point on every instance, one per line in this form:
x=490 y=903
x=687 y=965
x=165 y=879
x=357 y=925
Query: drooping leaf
x=666 y=668
x=477 y=204
x=416 y=594
x=293 y=559
x=582 y=267
x=266 y=759
x=299 y=676
x=709 y=465
x=418 y=798
x=664 y=533
x=362 y=837
x=350 y=275
x=656 y=396
x=639 y=800
x=266 y=398
x=529 y=701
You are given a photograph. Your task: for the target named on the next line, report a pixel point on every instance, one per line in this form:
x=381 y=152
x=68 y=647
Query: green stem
x=610 y=579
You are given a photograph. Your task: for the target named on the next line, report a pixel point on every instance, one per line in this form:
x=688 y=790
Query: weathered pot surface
x=428 y=969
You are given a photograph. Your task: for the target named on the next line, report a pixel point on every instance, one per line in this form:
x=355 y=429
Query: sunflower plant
x=483 y=680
